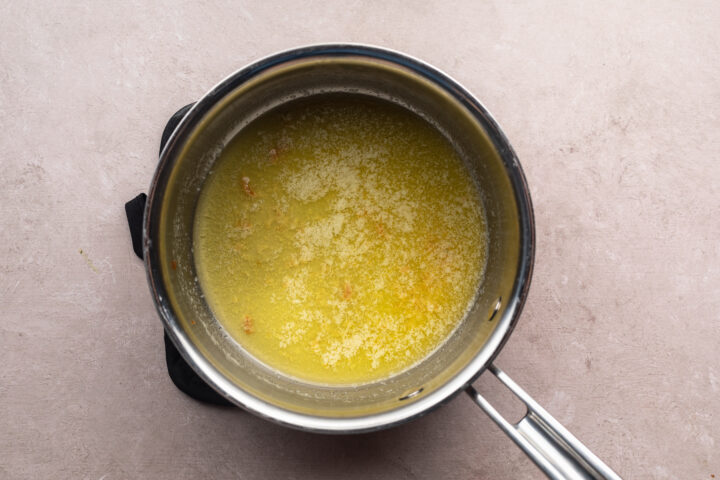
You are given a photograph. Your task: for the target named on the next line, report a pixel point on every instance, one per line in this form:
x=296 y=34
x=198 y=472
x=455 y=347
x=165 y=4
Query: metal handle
x=556 y=451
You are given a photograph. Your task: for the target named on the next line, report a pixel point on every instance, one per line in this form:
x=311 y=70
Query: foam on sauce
x=339 y=240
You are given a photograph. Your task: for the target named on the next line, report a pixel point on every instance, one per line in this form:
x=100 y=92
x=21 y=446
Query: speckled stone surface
x=613 y=109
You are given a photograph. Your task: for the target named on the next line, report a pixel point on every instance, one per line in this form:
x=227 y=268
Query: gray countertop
x=613 y=108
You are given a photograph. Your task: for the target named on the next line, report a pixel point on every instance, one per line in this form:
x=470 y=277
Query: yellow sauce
x=339 y=240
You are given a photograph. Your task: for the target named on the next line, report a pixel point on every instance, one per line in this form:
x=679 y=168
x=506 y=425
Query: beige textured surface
x=613 y=109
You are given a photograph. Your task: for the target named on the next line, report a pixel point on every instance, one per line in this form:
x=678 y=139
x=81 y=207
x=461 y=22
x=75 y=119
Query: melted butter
x=339 y=240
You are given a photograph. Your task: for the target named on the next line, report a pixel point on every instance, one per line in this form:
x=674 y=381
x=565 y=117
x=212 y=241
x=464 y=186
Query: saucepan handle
x=555 y=450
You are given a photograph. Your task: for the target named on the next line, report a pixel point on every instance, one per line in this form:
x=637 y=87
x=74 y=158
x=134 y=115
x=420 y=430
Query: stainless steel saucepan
x=221 y=362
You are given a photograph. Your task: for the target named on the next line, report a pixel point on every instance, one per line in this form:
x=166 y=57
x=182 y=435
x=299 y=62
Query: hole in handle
x=501 y=397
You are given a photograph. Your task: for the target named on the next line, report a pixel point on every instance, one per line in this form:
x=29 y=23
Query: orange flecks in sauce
x=363 y=252
x=248 y=324
x=246 y=187
x=347 y=291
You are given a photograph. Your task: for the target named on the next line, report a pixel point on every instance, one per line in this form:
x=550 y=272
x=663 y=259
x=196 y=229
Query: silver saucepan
x=355 y=69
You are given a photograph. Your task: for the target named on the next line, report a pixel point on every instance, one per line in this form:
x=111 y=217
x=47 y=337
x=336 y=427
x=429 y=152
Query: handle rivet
x=496 y=310
x=412 y=394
